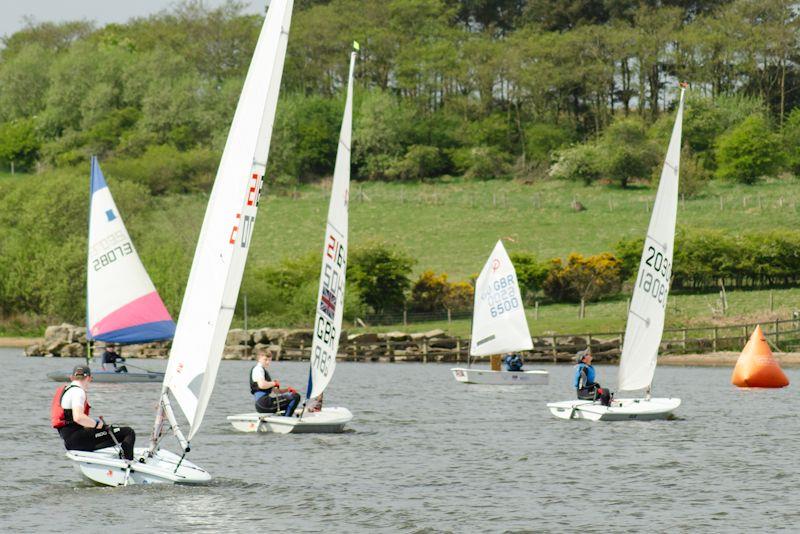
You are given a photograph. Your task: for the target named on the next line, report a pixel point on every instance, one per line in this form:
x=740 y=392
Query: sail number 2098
x=653 y=285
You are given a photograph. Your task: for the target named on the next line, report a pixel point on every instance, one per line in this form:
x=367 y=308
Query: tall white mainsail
x=330 y=298
x=219 y=259
x=498 y=318
x=649 y=302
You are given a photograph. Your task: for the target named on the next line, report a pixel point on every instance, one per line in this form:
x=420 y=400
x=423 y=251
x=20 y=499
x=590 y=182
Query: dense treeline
x=486 y=89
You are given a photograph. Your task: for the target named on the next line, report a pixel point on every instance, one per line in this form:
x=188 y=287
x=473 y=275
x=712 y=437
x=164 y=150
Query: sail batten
x=498 y=321
x=647 y=313
x=226 y=233
x=122 y=304
x=330 y=296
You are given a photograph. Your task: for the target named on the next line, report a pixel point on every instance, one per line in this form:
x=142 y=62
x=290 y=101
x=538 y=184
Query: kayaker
x=111 y=357
x=513 y=362
x=584 y=380
x=267 y=393
x=70 y=416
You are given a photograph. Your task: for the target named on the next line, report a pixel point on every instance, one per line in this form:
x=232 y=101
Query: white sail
x=122 y=305
x=649 y=302
x=498 y=318
x=330 y=298
x=219 y=259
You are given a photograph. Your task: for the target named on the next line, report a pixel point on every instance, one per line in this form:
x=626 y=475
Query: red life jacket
x=59 y=417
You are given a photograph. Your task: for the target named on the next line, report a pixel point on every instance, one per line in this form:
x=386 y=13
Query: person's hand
x=277 y=384
x=291 y=390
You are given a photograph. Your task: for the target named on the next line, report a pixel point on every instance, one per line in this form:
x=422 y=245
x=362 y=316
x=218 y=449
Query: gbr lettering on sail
x=331 y=297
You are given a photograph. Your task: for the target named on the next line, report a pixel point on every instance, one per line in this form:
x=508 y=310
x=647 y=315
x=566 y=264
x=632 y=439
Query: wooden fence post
x=536 y=310
x=424 y=350
x=683 y=340
x=777 y=335
x=714 y=341
x=555 y=353
x=458 y=349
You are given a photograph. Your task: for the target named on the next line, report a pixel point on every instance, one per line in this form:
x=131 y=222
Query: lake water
x=425 y=454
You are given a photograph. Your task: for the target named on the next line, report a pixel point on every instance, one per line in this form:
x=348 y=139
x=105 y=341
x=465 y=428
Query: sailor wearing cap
x=70 y=416
x=584 y=380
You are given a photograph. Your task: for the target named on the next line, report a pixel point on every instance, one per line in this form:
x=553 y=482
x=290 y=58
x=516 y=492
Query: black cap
x=81 y=371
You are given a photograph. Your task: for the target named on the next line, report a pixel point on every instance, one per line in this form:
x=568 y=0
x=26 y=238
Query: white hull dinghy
x=111 y=377
x=647 y=312
x=327 y=421
x=499 y=378
x=105 y=467
x=620 y=409
x=330 y=304
x=498 y=324
x=214 y=279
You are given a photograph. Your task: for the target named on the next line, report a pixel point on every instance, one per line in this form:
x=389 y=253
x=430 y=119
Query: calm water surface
x=425 y=454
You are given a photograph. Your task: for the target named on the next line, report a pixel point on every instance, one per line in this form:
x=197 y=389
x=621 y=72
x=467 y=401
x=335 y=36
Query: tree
x=584 y=279
x=19 y=143
x=748 y=151
x=381 y=274
x=531 y=274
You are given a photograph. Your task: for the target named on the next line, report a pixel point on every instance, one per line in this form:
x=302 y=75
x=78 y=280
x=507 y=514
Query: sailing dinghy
x=647 y=310
x=214 y=279
x=498 y=324
x=330 y=305
x=122 y=304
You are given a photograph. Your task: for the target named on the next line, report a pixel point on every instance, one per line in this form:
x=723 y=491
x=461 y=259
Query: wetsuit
x=111 y=357
x=80 y=438
x=266 y=400
x=586 y=386
x=513 y=362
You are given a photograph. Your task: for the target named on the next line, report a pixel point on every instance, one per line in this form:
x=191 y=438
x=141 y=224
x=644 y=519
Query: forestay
x=649 y=302
x=219 y=259
x=330 y=298
x=498 y=318
x=122 y=305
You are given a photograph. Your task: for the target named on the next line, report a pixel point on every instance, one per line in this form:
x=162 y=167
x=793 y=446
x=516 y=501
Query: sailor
x=70 y=416
x=584 y=380
x=267 y=393
x=111 y=357
x=513 y=362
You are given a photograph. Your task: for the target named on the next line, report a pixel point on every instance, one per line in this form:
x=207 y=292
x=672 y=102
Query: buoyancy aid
x=60 y=417
x=584 y=376
x=254 y=385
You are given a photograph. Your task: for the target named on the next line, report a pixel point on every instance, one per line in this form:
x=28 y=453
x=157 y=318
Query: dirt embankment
x=21 y=342
x=723 y=359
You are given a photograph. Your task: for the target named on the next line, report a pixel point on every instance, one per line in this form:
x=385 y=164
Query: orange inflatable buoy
x=756 y=367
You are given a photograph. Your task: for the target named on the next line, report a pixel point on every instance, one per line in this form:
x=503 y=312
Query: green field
x=452 y=227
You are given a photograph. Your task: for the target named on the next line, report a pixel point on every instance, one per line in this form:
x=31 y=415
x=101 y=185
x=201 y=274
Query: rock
x=57 y=334
x=397 y=336
x=237 y=336
x=294 y=337
x=72 y=350
x=441 y=343
x=268 y=336
x=363 y=338
x=34 y=350
x=236 y=352
x=432 y=334
x=54 y=347
x=577 y=206
x=417 y=336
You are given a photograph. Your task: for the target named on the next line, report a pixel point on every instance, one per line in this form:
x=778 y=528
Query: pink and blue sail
x=122 y=304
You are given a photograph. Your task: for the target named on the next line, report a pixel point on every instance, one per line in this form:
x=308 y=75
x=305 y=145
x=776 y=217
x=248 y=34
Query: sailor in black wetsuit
x=513 y=362
x=267 y=393
x=70 y=416
x=584 y=380
x=111 y=357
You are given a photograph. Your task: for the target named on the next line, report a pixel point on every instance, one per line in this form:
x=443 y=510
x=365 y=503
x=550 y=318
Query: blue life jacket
x=579 y=370
x=513 y=362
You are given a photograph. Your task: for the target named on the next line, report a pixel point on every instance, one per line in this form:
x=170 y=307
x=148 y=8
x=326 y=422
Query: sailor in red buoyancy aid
x=69 y=414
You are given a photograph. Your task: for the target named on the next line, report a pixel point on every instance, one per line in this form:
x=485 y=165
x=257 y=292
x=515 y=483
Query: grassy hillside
x=452 y=227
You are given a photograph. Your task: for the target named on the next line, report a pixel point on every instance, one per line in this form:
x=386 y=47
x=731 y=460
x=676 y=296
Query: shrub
x=19 y=143
x=748 y=151
x=542 y=140
x=791 y=141
x=380 y=273
x=531 y=274
x=579 y=163
x=419 y=162
x=165 y=169
x=482 y=162
x=626 y=153
x=584 y=278
x=432 y=293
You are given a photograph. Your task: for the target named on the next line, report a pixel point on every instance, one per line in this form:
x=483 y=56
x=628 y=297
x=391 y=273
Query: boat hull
x=620 y=409
x=110 y=377
x=500 y=378
x=328 y=421
x=106 y=468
